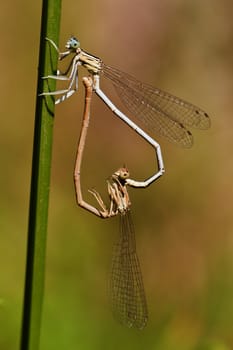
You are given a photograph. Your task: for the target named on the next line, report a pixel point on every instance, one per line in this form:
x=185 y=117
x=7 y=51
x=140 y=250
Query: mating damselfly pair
x=161 y=113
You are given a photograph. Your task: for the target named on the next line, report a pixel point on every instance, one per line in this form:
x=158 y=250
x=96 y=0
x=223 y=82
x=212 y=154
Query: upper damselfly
x=160 y=111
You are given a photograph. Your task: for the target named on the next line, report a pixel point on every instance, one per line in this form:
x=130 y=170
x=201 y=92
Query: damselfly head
x=73 y=44
x=122 y=173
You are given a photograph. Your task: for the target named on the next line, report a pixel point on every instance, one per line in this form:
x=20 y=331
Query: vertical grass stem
x=40 y=183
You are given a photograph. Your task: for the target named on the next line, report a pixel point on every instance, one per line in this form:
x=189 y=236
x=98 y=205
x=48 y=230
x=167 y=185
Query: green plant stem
x=40 y=182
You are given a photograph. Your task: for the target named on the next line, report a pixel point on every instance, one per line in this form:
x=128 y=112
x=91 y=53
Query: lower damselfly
x=126 y=284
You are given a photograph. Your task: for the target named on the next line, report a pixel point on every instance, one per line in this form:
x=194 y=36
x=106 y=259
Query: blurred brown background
x=184 y=223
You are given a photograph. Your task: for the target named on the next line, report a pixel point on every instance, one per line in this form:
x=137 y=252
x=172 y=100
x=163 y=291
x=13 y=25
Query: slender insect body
x=160 y=111
x=126 y=285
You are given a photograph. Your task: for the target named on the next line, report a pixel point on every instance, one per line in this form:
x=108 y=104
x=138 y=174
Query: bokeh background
x=184 y=224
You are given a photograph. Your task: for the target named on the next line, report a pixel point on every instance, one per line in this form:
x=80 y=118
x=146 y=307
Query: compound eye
x=124 y=173
x=72 y=43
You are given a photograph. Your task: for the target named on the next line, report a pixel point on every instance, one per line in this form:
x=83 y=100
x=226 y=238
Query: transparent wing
x=126 y=284
x=159 y=111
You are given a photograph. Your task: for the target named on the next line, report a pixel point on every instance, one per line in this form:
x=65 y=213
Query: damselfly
x=160 y=111
x=126 y=284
